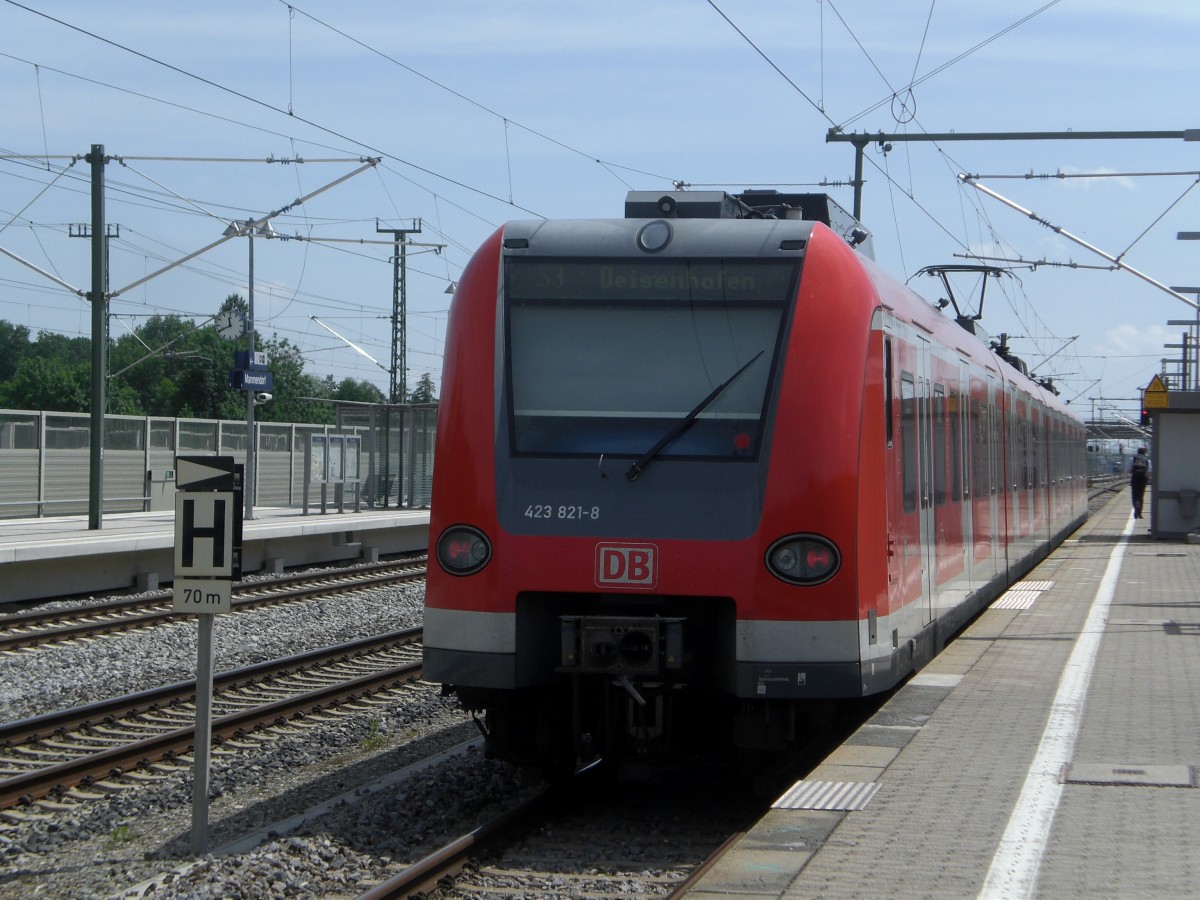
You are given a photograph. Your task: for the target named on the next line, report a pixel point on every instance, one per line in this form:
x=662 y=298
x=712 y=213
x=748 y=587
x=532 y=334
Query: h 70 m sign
x=208 y=534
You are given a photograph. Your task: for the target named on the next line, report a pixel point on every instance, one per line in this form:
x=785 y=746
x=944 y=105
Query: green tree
x=52 y=384
x=14 y=347
x=357 y=392
x=170 y=365
x=296 y=396
x=424 y=391
x=70 y=351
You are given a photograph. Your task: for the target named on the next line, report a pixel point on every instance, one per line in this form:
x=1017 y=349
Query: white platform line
x=1015 y=866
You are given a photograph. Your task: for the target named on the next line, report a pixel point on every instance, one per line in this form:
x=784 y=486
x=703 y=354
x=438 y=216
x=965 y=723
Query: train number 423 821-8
x=550 y=511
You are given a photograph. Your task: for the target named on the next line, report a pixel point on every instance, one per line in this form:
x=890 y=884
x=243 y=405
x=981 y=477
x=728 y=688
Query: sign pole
x=201 y=752
x=208 y=557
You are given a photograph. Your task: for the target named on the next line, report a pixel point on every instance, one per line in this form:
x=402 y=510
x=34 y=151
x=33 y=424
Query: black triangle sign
x=204 y=473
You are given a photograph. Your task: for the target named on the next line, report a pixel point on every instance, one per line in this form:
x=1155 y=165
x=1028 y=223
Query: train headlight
x=463 y=550
x=803 y=559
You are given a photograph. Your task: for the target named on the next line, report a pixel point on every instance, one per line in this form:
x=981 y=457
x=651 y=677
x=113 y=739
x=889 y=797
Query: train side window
x=939 y=445
x=908 y=440
x=1024 y=450
x=1052 y=425
x=996 y=468
x=978 y=448
x=1035 y=455
x=956 y=449
x=888 y=388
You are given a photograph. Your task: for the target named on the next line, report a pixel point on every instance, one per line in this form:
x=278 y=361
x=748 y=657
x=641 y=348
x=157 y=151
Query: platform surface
x=1050 y=751
x=61 y=555
x=70 y=535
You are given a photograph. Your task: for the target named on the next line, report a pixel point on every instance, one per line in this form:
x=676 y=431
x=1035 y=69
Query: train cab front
x=633 y=368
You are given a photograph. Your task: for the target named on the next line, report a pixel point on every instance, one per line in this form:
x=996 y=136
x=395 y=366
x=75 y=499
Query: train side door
x=925 y=483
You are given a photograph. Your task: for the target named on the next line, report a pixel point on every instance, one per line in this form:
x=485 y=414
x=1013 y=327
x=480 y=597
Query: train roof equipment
x=750 y=204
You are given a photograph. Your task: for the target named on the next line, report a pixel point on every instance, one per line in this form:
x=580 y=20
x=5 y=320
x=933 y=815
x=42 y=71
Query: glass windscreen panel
x=609 y=356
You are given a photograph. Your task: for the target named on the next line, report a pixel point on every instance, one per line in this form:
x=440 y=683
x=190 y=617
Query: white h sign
x=204 y=529
x=204 y=534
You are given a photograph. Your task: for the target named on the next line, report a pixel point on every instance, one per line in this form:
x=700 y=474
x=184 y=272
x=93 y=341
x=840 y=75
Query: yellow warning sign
x=1155 y=396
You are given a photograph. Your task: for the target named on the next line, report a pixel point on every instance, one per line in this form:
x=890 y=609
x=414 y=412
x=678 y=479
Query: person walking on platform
x=1139 y=477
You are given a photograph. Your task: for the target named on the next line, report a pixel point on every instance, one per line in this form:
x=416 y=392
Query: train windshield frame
x=607 y=356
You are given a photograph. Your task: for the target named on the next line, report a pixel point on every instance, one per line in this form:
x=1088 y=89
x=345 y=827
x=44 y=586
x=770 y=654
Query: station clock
x=230 y=325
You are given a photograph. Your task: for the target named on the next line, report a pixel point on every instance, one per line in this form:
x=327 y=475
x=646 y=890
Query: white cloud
x=1086 y=179
x=1127 y=339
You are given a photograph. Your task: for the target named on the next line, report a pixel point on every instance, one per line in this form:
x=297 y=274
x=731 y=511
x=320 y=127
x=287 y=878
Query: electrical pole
x=398 y=371
x=98 y=297
x=398 y=388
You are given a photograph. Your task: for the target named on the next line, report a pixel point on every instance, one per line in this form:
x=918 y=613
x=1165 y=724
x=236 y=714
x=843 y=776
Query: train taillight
x=463 y=550
x=803 y=559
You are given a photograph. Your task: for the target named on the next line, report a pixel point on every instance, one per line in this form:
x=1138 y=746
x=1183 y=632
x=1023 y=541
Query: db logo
x=626 y=565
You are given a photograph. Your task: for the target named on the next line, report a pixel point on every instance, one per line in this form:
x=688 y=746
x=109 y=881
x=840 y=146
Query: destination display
x=659 y=280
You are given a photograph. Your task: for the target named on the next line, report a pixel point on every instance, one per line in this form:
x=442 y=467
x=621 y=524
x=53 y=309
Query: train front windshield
x=610 y=356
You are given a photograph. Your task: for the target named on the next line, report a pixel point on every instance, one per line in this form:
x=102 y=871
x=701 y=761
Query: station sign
x=251 y=380
x=244 y=359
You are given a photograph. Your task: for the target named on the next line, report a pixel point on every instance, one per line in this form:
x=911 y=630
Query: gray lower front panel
x=826 y=680
x=458 y=667
x=754 y=681
x=792 y=681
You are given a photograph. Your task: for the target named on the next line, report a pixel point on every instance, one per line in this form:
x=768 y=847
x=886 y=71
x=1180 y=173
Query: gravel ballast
x=141 y=836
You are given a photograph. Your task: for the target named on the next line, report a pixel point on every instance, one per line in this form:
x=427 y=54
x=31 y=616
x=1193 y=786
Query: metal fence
x=44 y=457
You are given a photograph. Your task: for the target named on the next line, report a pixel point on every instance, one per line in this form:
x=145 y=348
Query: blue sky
x=484 y=113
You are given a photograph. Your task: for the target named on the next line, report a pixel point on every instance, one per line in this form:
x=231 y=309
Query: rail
x=32 y=629
x=429 y=872
x=86 y=767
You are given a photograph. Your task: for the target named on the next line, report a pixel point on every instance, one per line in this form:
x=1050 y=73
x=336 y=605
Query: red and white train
x=703 y=465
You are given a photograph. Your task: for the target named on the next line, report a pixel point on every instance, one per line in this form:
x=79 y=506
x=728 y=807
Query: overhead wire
x=924 y=37
x=611 y=167
x=951 y=62
x=268 y=106
x=461 y=96
x=190 y=207
x=883 y=169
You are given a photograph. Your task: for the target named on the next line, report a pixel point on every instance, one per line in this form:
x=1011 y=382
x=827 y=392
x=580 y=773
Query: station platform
x=1050 y=751
x=57 y=556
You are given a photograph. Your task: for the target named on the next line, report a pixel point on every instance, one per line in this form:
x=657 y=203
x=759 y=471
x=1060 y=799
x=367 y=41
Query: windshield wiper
x=683 y=424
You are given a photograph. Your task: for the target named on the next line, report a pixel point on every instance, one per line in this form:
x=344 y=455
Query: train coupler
x=643 y=646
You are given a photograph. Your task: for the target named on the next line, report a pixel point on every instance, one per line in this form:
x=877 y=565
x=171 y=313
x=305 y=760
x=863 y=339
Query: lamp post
x=250 y=229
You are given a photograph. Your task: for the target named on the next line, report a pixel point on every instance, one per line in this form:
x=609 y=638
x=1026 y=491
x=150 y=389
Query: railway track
x=591 y=843
x=594 y=839
x=66 y=753
x=23 y=631
x=444 y=866
x=1105 y=484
